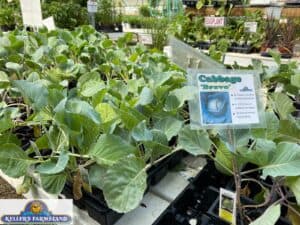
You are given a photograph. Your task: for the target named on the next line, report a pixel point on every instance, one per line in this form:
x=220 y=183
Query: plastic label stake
x=227 y=206
x=31 y=13
x=92 y=8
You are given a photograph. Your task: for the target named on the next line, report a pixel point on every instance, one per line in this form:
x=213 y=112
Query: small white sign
x=92 y=6
x=227 y=206
x=49 y=23
x=31 y=13
x=146 y=39
x=283 y=21
x=26 y=211
x=214 y=21
x=251 y=27
x=260 y=2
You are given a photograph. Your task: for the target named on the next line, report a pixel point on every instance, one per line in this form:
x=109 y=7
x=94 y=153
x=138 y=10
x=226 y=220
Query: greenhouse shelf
x=246 y=59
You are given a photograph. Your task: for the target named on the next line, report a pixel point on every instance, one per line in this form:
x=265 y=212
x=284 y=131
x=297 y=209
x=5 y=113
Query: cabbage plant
x=75 y=103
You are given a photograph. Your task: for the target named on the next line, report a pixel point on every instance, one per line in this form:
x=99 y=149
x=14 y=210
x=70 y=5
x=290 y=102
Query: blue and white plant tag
x=226 y=99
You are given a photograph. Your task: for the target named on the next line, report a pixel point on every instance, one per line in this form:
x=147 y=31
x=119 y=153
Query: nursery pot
x=6 y=28
x=264 y=50
x=286 y=52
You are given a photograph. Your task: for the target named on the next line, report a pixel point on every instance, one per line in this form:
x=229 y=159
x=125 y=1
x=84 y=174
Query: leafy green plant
x=287 y=37
x=107 y=14
x=159 y=32
x=256 y=39
x=72 y=15
x=135 y=21
x=191 y=29
x=9 y=16
x=91 y=104
x=182 y=27
x=217 y=51
x=274 y=150
x=75 y=100
x=144 y=10
x=271 y=34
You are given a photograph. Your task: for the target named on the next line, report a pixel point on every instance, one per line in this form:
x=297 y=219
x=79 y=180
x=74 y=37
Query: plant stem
x=267 y=201
x=292 y=209
x=162 y=158
x=250 y=171
x=255 y=181
x=88 y=163
x=78 y=155
x=252 y=145
x=237 y=179
x=17 y=104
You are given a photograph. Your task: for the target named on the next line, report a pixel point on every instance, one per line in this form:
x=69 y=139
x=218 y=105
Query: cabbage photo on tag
x=215 y=107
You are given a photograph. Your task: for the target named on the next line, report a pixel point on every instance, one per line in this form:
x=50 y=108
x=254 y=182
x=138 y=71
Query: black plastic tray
x=240 y=49
x=255 y=213
x=195 y=199
x=95 y=203
x=200 y=201
x=190 y=3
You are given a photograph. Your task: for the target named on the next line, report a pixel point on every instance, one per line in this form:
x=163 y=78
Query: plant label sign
x=250 y=27
x=49 y=23
x=227 y=99
x=92 y=6
x=214 y=21
x=31 y=13
x=227 y=206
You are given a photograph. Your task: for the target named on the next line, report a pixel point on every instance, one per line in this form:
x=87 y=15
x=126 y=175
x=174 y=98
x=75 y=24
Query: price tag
x=250 y=27
x=213 y=21
x=227 y=206
x=227 y=99
x=31 y=13
x=92 y=6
